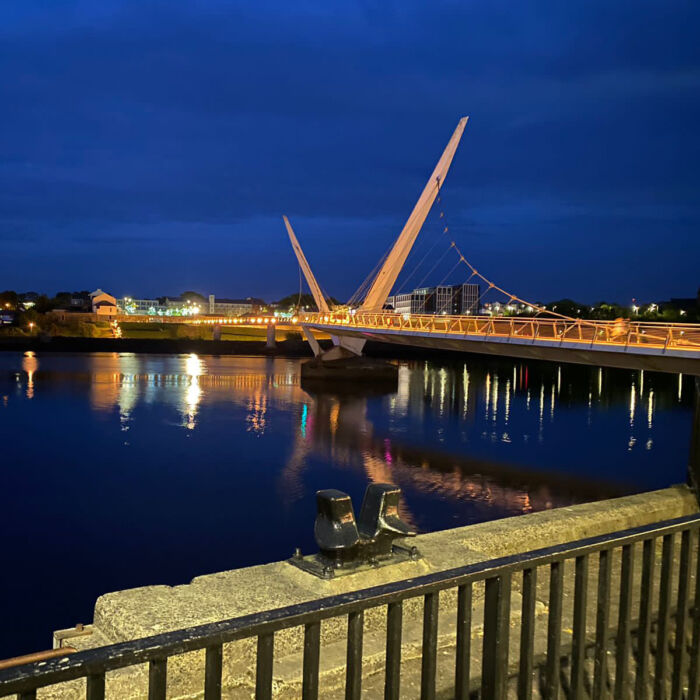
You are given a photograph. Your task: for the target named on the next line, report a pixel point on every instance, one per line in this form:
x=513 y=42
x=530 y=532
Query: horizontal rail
x=36 y=656
x=156 y=648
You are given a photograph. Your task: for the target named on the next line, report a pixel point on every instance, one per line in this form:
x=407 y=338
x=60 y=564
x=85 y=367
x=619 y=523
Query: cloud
x=173 y=116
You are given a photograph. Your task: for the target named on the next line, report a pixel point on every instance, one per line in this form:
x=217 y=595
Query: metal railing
x=652 y=647
x=623 y=332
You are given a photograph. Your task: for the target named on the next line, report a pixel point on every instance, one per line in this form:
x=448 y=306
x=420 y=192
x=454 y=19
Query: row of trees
x=40 y=302
x=603 y=310
x=609 y=311
x=303 y=301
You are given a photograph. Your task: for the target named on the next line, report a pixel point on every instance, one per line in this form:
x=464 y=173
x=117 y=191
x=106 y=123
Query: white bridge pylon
x=390 y=270
x=315 y=288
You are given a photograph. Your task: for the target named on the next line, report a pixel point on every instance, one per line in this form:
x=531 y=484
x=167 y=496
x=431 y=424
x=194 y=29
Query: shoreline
x=296 y=348
x=288 y=348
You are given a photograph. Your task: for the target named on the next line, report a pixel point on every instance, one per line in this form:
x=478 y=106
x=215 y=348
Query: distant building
x=161 y=306
x=510 y=308
x=470 y=298
x=138 y=307
x=234 y=307
x=177 y=306
x=82 y=301
x=103 y=304
x=28 y=299
x=452 y=299
x=410 y=303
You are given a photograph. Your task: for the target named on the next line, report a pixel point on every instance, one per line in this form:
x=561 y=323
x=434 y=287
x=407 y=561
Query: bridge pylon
x=345 y=347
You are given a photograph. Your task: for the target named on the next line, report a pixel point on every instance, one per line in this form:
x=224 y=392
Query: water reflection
x=194 y=369
x=189 y=464
x=30 y=365
x=506 y=437
x=343 y=433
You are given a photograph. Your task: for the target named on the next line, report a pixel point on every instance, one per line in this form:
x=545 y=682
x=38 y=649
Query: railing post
x=600 y=671
x=664 y=618
x=312 y=644
x=682 y=622
x=157 y=679
x=393 y=651
x=429 y=651
x=527 y=633
x=353 y=672
x=464 y=638
x=645 y=616
x=694 y=456
x=263 y=667
x=95 y=686
x=496 y=628
x=212 y=672
x=694 y=671
x=578 y=653
x=553 y=668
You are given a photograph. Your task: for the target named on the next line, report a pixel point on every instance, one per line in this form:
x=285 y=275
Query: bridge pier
x=271 y=343
x=345 y=362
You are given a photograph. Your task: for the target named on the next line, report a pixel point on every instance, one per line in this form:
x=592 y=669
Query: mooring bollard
x=344 y=545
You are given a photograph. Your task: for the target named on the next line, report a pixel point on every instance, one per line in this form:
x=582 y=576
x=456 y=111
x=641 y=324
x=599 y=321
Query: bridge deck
x=670 y=347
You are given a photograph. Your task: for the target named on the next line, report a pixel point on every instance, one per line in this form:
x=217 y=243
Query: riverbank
x=288 y=348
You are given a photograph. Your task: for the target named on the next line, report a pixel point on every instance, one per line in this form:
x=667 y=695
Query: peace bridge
x=589 y=600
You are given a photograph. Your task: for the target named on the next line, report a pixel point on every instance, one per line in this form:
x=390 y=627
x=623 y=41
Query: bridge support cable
x=387 y=275
x=438 y=240
x=490 y=286
x=358 y=296
x=508 y=295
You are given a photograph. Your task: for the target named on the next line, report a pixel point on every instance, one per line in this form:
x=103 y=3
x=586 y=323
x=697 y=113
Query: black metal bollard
x=343 y=545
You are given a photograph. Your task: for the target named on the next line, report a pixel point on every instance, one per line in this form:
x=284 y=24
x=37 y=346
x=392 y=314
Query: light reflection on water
x=217 y=459
x=468 y=406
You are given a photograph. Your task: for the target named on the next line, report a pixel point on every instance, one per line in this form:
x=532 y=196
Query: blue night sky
x=152 y=147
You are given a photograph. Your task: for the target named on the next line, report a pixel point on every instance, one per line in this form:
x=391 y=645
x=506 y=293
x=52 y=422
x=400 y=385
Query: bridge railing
x=617 y=620
x=621 y=332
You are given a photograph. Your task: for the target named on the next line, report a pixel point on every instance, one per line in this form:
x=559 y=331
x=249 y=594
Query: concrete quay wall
x=141 y=612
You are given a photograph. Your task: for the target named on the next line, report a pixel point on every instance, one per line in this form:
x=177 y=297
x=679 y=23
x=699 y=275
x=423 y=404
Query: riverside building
x=452 y=299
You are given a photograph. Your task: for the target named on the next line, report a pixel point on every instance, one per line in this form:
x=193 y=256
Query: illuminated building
x=443 y=299
x=161 y=306
x=234 y=307
x=103 y=304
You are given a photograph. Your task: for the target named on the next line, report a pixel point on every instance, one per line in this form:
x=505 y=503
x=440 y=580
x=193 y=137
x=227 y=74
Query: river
x=122 y=470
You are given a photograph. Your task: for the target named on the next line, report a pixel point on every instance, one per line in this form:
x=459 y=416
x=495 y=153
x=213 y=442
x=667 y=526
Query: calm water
x=127 y=470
